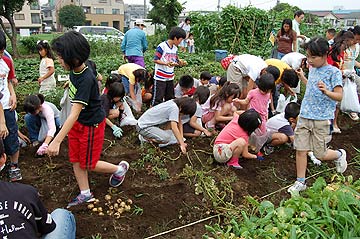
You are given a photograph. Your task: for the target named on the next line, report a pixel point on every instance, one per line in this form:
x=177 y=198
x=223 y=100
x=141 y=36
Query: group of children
x=241 y=107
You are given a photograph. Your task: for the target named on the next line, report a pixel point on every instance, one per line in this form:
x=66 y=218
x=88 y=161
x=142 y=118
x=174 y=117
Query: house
x=338 y=18
x=98 y=12
x=48 y=15
x=27 y=18
x=133 y=12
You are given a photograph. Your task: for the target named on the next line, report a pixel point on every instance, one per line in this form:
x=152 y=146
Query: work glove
x=42 y=149
x=260 y=158
x=117 y=131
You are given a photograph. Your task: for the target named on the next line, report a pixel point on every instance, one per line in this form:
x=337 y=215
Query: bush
x=29 y=43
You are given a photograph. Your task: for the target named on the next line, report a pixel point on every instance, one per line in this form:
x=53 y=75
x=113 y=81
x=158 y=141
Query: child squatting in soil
x=85 y=126
x=42 y=121
x=313 y=129
x=162 y=123
x=232 y=141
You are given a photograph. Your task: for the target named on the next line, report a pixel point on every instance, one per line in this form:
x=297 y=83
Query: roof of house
x=340 y=14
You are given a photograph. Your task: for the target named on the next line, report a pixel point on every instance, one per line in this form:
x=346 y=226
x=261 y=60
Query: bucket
x=220 y=54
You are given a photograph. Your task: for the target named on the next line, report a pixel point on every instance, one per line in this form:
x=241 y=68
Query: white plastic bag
x=65 y=105
x=350 y=100
x=283 y=101
x=127 y=117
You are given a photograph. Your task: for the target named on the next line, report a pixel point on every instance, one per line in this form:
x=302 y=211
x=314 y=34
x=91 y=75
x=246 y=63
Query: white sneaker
x=341 y=163
x=296 y=188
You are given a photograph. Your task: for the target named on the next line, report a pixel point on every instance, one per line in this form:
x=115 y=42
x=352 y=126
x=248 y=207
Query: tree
x=7 y=10
x=165 y=12
x=71 y=15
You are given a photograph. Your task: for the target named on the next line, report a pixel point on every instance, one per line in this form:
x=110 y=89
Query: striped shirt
x=165 y=53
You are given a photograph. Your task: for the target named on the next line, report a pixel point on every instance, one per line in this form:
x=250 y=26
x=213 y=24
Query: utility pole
x=277 y=2
x=144 y=9
x=218 y=6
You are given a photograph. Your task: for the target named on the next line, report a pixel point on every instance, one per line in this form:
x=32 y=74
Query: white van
x=100 y=32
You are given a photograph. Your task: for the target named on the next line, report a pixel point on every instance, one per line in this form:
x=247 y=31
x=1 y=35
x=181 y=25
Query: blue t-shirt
x=316 y=105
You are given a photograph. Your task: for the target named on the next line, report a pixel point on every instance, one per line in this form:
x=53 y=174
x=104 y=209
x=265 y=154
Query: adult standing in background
x=185 y=25
x=135 y=44
x=286 y=39
x=298 y=18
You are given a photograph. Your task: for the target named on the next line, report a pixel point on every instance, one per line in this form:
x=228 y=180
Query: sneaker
x=116 y=180
x=268 y=149
x=354 y=116
x=35 y=143
x=296 y=188
x=336 y=130
x=15 y=174
x=341 y=163
x=81 y=199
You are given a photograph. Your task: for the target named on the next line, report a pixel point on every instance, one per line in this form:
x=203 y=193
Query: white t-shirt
x=159 y=114
x=249 y=65
x=4 y=89
x=350 y=56
x=185 y=27
x=276 y=122
x=296 y=28
x=293 y=59
x=198 y=114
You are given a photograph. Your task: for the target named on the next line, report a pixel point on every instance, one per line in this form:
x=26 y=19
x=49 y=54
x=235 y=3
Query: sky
x=211 y=5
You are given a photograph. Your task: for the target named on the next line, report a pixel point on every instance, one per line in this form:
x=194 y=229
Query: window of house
x=87 y=10
x=102 y=1
x=99 y=10
x=116 y=11
x=34 y=6
x=104 y=24
x=19 y=16
x=350 y=23
x=35 y=18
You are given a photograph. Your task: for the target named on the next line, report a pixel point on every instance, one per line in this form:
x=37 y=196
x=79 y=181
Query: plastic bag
x=350 y=100
x=283 y=101
x=127 y=117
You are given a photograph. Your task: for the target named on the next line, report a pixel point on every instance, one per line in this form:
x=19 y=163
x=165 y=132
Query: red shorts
x=85 y=144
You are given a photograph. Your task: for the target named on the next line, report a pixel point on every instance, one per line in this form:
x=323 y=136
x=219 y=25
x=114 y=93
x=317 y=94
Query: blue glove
x=260 y=158
x=117 y=132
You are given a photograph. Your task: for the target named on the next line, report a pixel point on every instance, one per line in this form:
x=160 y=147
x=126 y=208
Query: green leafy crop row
x=326 y=211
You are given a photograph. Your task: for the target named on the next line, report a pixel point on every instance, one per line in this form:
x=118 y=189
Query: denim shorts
x=11 y=142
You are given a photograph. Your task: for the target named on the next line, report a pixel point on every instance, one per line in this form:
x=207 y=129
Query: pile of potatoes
x=115 y=207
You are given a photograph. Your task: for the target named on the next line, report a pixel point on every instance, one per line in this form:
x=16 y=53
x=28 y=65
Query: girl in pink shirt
x=232 y=141
x=219 y=108
x=42 y=121
x=259 y=98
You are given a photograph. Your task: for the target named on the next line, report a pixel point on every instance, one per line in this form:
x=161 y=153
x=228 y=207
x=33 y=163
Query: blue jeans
x=65 y=225
x=11 y=142
x=280 y=55
x=33 y=124
x=126 y=84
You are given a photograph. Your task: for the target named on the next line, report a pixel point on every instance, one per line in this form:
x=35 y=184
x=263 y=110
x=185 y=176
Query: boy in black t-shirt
x=85 y=126
x=23 y=215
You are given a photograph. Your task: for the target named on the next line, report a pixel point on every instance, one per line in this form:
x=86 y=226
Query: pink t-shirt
x=231 y=132
x=48 y=113
x=260 y=103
